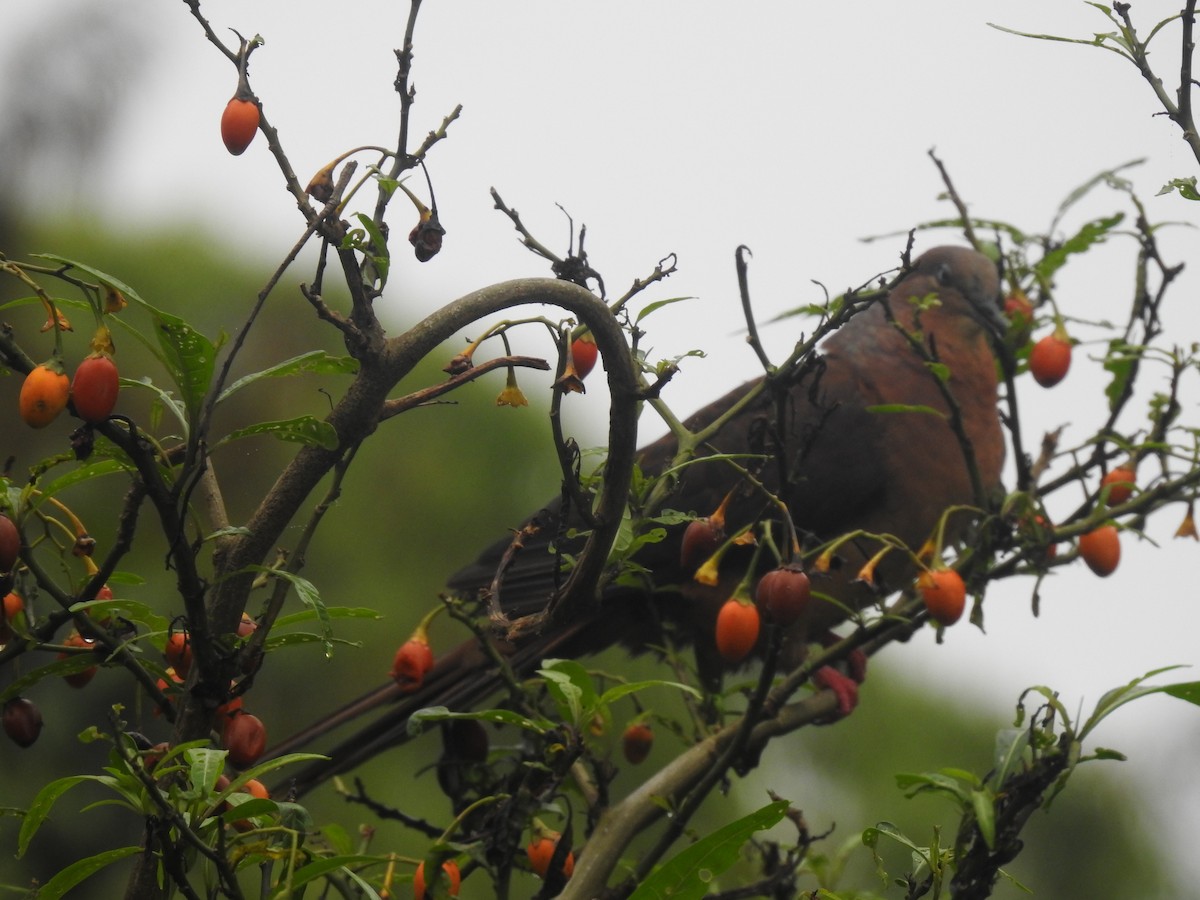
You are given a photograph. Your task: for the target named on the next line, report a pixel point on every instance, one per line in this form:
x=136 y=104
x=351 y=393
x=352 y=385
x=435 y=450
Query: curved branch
x=358 y=413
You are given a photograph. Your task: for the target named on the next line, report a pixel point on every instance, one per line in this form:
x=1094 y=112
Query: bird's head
x=971 y=274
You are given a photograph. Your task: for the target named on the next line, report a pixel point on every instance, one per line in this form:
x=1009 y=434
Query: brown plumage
x=858 y=438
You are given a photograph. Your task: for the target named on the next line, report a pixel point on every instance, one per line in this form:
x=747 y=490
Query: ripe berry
x=10 y=544
x=737 y=629
x=944 y=594
x=22 y=721
x=412 y=662
x=701 y=539
x=1019 y=309
x=1050 y=359
x=43 y=395
x=94 y=388
x=541 y=852
x=636 y=742
x=178 y=652
x=584 y=352
x=1101 y=550
x=783 y=594
x=1120 y=483
x=81 y=678
x=239 y=124
x=245 y=738
x=450 y=867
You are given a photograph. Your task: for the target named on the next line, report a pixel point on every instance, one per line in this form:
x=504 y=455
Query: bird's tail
x=460 y=681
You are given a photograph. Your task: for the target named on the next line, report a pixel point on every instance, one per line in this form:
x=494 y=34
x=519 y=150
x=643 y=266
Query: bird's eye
x=942 y=274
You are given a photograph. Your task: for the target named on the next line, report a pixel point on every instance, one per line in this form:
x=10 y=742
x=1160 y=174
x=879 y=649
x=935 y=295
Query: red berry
x=1101 y=550
x=81 y=678
x=239 y=124
x=701 y=539
x=22 y=721
x=10 y=544
x=944 y=594
x=412 y=662
x=737 y=629
x=1019 y=309
x=94 y=388
x=450 y=867
x=245 y=738
x=636 y=742
x=783 y=594
x=585 y=353
x=1120 y=483
x=1050 y=359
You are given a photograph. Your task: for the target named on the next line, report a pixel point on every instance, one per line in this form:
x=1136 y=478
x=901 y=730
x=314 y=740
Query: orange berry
x=541 y=852
x=737 y=629
x=450 y=867
x=43 y=395
x=944 y=594
x=1050 y=359
x=1120 y=483
x=239 y=124
x=1101 y=550
x=13 y=606
x=178 y=652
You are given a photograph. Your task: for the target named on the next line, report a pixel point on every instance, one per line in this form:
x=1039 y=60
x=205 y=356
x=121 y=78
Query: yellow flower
x=511 y=395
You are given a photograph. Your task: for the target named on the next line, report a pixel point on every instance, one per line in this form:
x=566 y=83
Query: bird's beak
x=986 y=311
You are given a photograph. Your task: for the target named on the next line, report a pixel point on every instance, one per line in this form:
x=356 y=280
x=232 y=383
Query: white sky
x=797 y=129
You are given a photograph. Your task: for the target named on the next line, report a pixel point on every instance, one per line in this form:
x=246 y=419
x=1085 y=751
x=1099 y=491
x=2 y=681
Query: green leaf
x=905 y=408
x=1185 y=186
x=271 y=765
x=1189 y=691
x=658 y=304
x=80 y=474
x=40 y=808
x=572 y=689
x=1127 y=693
x=321 y=867
x=418 y=720
x=205 y=766
x=69 y=877
x=301 y=430
x=333 y=612
x=315 y=362
x=309 y=596
x=983 y=805
x=190 y=358
x=690 y=874
x=1009 y=754
x=613 y=694
x=1091 y=233
x=166 y=400
x=1119 y=361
